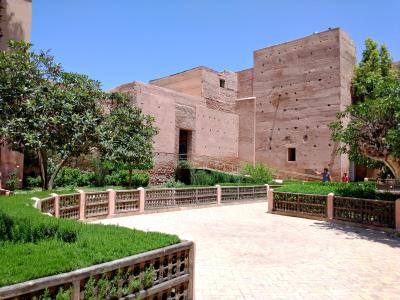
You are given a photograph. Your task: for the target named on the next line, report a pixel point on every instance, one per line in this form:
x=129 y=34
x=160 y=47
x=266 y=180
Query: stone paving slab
x=244 y=253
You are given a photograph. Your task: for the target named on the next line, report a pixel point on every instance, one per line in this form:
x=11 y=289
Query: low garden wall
x=376 y=213
x=165 y=273
x=84 y=205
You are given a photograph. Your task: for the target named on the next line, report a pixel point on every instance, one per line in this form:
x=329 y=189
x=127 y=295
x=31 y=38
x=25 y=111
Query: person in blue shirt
x=326 y=176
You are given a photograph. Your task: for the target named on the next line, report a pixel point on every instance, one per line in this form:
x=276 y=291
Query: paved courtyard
x=244 y=253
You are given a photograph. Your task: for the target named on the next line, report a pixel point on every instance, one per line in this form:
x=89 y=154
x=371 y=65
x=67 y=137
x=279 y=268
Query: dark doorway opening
x=184 y=136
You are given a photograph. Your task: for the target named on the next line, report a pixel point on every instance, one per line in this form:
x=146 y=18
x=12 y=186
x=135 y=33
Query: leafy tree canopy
x=369 y=129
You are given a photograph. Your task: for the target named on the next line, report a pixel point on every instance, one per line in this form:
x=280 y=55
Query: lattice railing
x=243 y=193
x=365 y=211
x=315 y=205
x=388 y=184
x=97 y=204
x=69 y=206
x=206 y=196
x=170 y=271
x=160 y=198
x=48 y=205
x=126 y=201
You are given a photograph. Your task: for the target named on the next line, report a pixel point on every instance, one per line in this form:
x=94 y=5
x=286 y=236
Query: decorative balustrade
x=84 y=205
x=171 y=277
x=243 y=193
x=388 y=184
x=372 y=212
x=377 y=213
x=314 y=205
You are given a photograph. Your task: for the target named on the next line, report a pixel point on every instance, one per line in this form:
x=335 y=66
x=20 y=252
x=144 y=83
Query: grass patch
x=49 y=253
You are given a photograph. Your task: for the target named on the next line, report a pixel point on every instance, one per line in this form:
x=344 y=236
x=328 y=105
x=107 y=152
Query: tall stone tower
x=15 y=24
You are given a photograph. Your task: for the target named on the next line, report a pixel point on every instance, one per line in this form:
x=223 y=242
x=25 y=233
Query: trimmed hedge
x=366 y=190
x=33 y=245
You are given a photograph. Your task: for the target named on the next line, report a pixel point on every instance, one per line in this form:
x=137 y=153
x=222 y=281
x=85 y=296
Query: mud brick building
x=276 y=112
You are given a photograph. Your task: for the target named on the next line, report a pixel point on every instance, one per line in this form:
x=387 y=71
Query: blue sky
x=125 y=40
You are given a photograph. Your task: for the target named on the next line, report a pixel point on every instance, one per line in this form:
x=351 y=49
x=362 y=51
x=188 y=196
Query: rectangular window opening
x=222 y=83
x=291 y=154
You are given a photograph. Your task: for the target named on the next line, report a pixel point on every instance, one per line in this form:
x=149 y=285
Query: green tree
x=126 y=136
x=44 y=109
x=369 y=129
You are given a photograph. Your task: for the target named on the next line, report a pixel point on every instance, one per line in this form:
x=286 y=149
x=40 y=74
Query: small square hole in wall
x=222 y=83
x=291 y=154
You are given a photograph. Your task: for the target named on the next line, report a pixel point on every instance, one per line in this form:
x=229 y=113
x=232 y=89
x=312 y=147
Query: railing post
x=82 y=205
x=329 y=206
x=267 y=189
x=270 y=197
x=219 y=194
x=142 y=195
x=397 y=217
x=38 y=203
x=111 y=202
x=56 y=205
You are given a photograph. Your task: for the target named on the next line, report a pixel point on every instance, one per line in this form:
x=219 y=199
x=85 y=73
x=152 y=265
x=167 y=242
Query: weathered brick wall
x=299 y=87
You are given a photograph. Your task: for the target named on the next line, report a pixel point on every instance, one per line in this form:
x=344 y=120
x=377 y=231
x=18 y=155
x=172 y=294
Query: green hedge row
x=366 y=190
x=34 y=245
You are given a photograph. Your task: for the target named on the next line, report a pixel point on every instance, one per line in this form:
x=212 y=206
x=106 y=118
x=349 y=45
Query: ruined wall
x=245 y=83
x=299 y=89
x=187 y=82
x=246 y=110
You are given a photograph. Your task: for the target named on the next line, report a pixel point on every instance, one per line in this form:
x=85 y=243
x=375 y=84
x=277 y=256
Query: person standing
x=326 y=176
x=345 y=178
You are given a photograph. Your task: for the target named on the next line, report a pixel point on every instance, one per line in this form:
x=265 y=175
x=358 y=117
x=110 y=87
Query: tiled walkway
x=244 y=253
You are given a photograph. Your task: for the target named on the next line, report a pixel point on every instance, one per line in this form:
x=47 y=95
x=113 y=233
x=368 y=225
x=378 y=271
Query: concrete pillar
x=82 y=205
x=329 y=206
x=219 y=194
x=56 y=205
x=270 y=197
x=397 y=217
x=142 y=196
x=111 y=202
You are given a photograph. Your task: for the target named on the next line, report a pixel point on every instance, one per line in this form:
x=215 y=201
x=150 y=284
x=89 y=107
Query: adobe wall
x=246 y=110
x=219 y=98
x=245 y=83
x=187 y=82
x=213 y=133
x=15 y=23
x=299 y=89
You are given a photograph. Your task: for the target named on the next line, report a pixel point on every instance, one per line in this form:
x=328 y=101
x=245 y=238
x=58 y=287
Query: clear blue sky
x=120 y=41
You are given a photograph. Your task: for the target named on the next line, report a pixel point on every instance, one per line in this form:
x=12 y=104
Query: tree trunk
x=43 y=168
x=54 y=175
x=393 y=163
x=130 y=178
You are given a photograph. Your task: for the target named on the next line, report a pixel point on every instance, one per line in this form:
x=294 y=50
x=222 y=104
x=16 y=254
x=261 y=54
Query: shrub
x=74 y=177
x=121 y=177
x=32 y=182
x=183 y=164
x=12 y=181
x=202 y=178
x=258 y=174
x=172 y=183
x=220 y=177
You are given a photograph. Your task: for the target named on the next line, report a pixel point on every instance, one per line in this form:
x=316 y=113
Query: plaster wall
x=245 y=83
x=246 y=110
